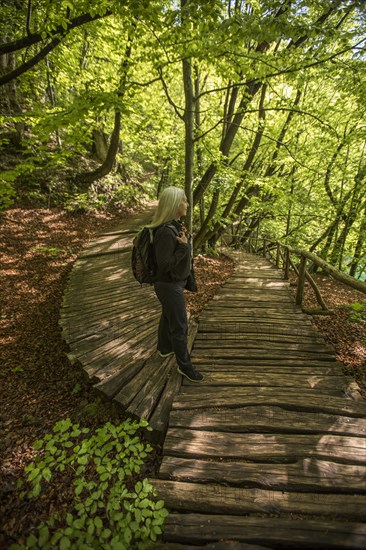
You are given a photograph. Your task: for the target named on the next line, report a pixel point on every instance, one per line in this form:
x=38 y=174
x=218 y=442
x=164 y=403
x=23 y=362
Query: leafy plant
x=52 y=251
x=358 y=311
x=110 y=510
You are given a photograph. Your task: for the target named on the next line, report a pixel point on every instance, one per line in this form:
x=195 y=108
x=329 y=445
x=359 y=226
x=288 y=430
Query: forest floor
x=38 y=384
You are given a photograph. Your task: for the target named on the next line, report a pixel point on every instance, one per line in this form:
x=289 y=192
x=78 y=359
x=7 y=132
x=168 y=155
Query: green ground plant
x=110 y=508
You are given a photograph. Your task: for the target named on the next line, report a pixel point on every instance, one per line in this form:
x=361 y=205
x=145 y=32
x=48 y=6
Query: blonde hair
x=169 y=202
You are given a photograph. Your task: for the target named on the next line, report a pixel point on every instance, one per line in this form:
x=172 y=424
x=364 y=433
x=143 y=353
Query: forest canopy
x=255 y=107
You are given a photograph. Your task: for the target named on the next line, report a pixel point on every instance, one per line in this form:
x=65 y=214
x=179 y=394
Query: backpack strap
x=172 y=227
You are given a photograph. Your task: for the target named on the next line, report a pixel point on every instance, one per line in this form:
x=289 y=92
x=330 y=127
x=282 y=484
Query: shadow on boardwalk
x=270 y=450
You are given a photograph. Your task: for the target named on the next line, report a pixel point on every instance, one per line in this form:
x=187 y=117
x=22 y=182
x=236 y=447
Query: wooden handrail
x=284 y=251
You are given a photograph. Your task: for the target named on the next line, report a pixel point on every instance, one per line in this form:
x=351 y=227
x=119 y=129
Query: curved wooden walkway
x=110 y=324
x=269 y=451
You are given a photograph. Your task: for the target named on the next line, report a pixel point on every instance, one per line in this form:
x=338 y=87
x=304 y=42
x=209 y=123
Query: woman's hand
x=182 y=239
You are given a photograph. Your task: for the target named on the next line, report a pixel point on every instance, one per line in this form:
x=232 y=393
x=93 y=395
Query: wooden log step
x=127 y=393
x=116 y=294
x=111 y=385
x=308 y=474
x=261 y=336
x=146 y=399
x=81 y=309
x=263 y=274
x=219 y=311
x=232 y=294
x=105 y=367
x=76 y=333
x=267 y=419
x=221 y=545
x=241 y=352
x=108 y=243
x=255 y=283
x=328 y=385
x=262 y=327
x=257 y=364
x=271 y=532
x=95 y=341
x=218 y=499
x=246 y=342
x=252 y=304
x=115 y=347
x=310 y=370
x=158 y=420
x=193 y=398
x=88 y=319
x=264 y=447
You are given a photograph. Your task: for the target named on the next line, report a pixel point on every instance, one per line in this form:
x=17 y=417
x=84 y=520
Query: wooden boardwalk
x=269 y=451
x=110 y=324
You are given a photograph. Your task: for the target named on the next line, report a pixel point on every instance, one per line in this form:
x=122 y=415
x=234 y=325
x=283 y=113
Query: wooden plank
x=159 y=419
x=323 y=384
x=303 y=369
x=248 y=343
x=194 y=398
x=81 y=310
x=273 y=532
x=255 y=353
x=276 y=365
x=266 y=328
x=102 y=369
x=75 y=333
x=111 y=385
x=116 y=347
x=219 y=499
x=264 y=447
x=147 y=397
x=308 y=474
x=96 y=341
x=267 y=419
x=126 y=395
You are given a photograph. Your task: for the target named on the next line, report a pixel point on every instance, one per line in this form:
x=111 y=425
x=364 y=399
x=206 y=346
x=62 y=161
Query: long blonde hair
x=169 y=202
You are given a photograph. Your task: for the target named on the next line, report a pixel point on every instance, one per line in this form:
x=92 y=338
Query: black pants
x=173 y=325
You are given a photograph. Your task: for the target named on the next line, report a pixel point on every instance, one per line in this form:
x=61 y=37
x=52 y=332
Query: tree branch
x=285 y=71
x=30 y=63
x=175 y=107
x=34 y=38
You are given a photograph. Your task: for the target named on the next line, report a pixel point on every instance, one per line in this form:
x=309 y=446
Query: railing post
x=264 y=247
x=301 y=281
x=286 y=266
x=278 y=255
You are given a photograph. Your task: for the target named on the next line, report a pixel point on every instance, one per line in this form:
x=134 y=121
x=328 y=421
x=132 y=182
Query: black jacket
x=173 y=259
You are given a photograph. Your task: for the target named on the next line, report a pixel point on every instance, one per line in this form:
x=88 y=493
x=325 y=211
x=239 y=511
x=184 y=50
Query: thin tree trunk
x=109 y=162
x=189 y=128
x=360 y=248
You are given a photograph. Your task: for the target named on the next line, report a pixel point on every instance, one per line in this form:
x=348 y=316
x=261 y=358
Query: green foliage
x=7 y=194
x=358 y=311
x=111 y=510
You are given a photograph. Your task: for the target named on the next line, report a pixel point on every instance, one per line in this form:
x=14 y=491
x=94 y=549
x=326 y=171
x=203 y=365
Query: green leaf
x=44 y=535
x=65 y=543
x=31 y=541
x=38 y=444
x=34 y=473
x=47 y=474
x=98 y=523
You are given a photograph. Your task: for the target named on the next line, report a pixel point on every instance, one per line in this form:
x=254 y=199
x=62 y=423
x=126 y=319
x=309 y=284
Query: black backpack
x=143 y=258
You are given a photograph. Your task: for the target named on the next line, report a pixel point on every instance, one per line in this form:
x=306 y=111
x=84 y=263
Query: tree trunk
x=189 y=129
x=110 y=159
x=360 y=246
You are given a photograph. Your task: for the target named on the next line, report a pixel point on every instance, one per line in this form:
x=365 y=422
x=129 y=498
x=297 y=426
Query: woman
x=173 y=260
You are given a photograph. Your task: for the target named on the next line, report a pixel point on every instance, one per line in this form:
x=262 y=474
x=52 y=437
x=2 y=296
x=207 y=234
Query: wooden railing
x=282 y=255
